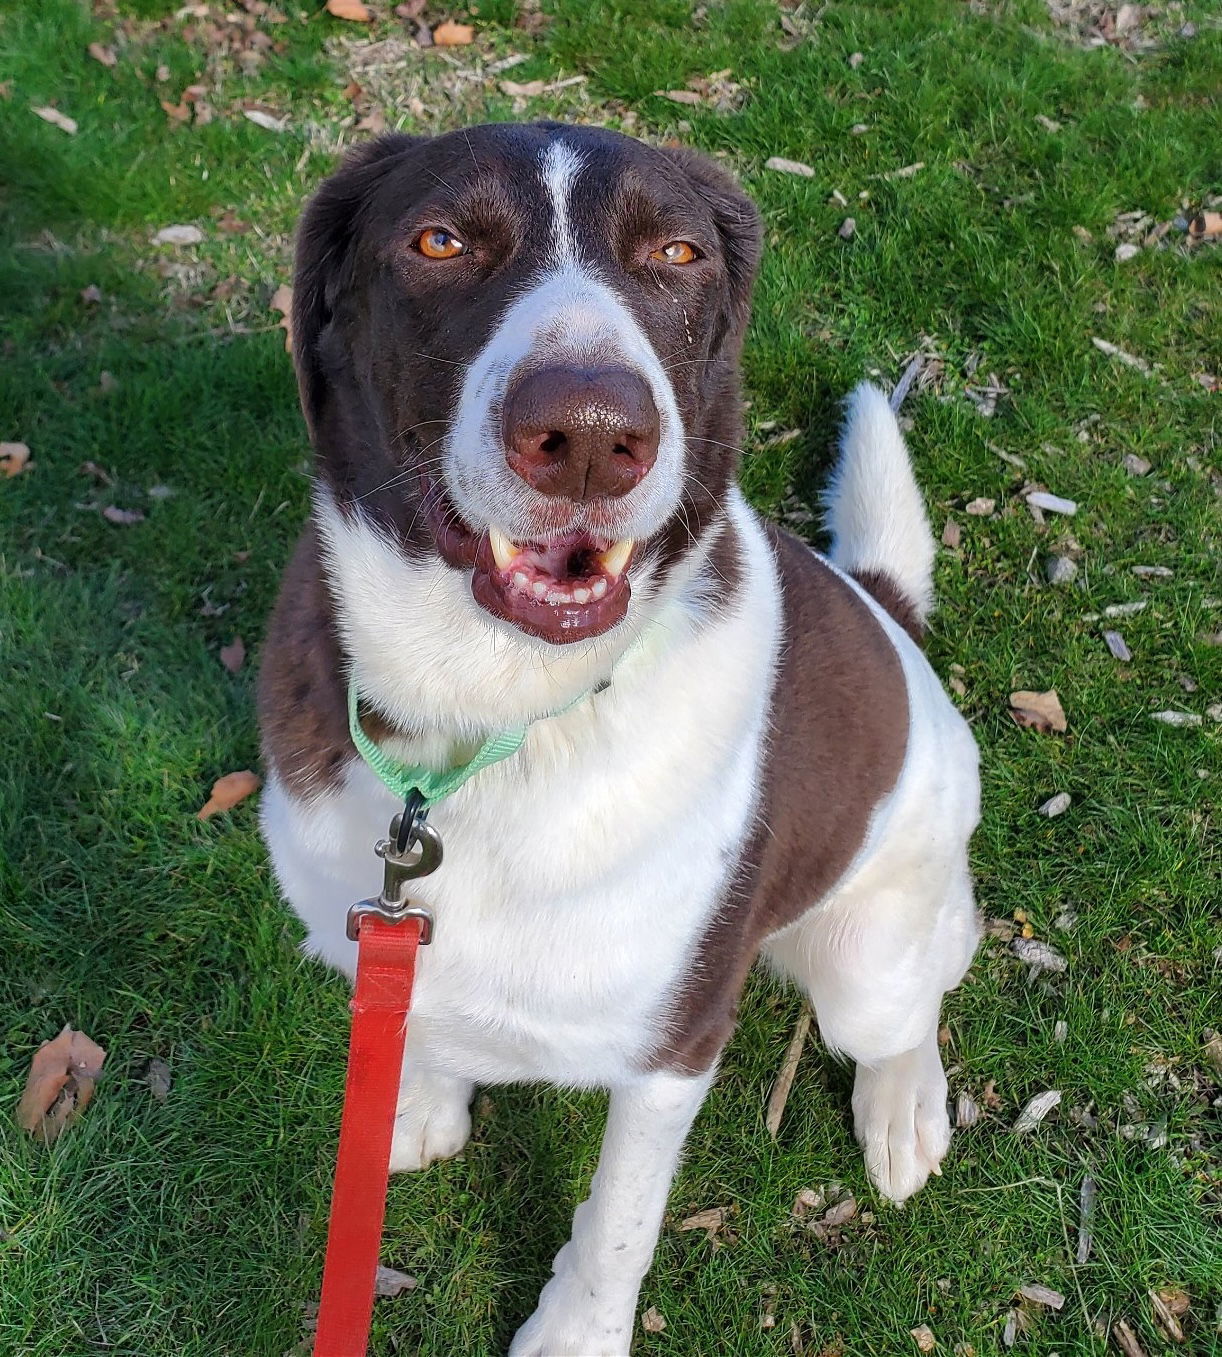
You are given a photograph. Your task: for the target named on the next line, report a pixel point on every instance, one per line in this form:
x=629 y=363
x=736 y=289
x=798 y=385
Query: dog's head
x=517 y=347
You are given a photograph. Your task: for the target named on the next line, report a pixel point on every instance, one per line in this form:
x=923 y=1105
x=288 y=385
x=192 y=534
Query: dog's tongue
x=567 y=589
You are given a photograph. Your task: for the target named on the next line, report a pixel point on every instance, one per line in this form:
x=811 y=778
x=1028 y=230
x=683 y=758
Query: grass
x=194 y=1228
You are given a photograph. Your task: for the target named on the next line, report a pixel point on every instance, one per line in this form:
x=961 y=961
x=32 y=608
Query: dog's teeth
x=615 y=558
x=503 y=550
x=581 y=596
x=599 y=588
x=520 y=579
x=557 y=596
x=539 y=589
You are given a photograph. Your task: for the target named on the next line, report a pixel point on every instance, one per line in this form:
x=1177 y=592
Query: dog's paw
x=434 y=1123
x=576 y=1320
x=900 y=1117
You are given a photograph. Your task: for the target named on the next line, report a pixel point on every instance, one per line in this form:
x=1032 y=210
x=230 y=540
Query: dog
x=517 y=349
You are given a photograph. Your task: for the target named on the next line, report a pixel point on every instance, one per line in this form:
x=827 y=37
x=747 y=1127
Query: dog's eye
x=438 y=244
x=676 y=252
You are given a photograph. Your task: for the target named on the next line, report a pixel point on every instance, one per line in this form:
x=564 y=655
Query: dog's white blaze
x=560 y=166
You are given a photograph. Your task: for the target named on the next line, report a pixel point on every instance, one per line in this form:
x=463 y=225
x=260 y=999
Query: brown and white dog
x=518 y=351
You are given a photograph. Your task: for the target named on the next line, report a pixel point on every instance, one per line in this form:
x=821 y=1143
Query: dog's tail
x=875 y=514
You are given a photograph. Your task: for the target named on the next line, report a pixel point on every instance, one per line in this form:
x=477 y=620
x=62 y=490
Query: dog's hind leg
x=875 y=960
x=588 y=1308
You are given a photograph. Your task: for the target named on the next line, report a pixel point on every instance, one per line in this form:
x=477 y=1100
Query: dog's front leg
x=589 y=1306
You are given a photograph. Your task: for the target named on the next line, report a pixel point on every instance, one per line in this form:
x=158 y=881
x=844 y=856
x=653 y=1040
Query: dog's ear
x=741 y=232
x=327 y=237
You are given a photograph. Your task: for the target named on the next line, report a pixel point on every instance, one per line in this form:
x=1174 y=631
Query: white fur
x=580 y=875
x=874 y=509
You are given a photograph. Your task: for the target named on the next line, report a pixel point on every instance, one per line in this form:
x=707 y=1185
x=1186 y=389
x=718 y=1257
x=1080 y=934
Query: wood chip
x=123 y=517
x=56 y=119
x=906 y=172
x=1213 y=1051
x=1056 y=805
x=689 y=97
x=60 y=1084
x=14 y=459
x=1117 y=645
x=1166 y=1318
x=923 y=1337
x=268 y=121
x=1086 y=1211
x=847 y=229
x=451 y=34
x=1040 y=956
x=1177 y=718
x=1060 y=570
x=178 y=235
x=952 y=534
x=1126 y=609
x=1047 y=123
x=778 y=162
x=1125 y=251
x=1054 y=504
x=1128 y=359
x=389 y=1281
x=525 y=89
x=233 y=656
x=227 y=791
x=158 y=1077
x=1039 y=1294
x=1126 y=1339
x=1152 y=572
x=789 y=1067
x=980 y=508
x=653 y=1321
x=352 y=10
x=100 y=52
x=1035 y=1111
x=1038 y=711
x=1134 y=465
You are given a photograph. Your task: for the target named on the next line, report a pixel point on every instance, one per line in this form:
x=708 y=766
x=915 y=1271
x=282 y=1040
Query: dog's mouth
x=569 y=587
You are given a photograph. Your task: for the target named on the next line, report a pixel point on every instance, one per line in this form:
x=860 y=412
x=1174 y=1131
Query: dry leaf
x=848 y=229
x=1056 y=805
x=526 y=89
x=713 y=1222
x=91 y=295
x=96 y=473
x=1126 y=251
x=1036 y=1110
x=952 y=534
x=1039 y=711
x=923 y=1337
x=178 y=113
x=390 y=1281
x=906 y=172
x=450 y=34
x=14 y=459
x=778 y=162
x=980 y=508
x=1126 y=1339
x=1213 y=1051
x=178 y=235
x=99 y=52
x=1060 y=570
x=1117 y=645
x=1166 y=1317
x=227 y=791
x=789 y=1067
x=56 y=119
x=680 y=96
x=261 y=118
x=1038 y=955
x=60 y=1084
x=1177 y=718
x=157 y=1077
x=1038 y=1294
x=1047 y=123
x=652 y=1321
x=1041 y=499
x=352 y=10
x=282 y=301
x=967 y=1111
x=233 y=656
x=123 y=517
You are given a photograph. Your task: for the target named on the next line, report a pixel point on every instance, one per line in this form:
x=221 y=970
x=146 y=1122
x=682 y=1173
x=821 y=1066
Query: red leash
x=388 y=931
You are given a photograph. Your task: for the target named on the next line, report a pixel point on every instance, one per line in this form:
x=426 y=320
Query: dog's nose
x=581 y=433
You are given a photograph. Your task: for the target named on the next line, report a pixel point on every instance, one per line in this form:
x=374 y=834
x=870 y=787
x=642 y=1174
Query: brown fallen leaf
x=91 y=295
x=60 y=1084
x=123 y=517
x=56 y=119
x=227 y=791
x=1035 y=1111
x=450 y=34
x=14 y=459
x=923 y=1337
x=689 y=97
x=1038 y=1294
x=282 y=301
x=177 y=113
x=100 y=52
x=352 y=10
x=96 y=473
x=1213 y=1051
x=1166 y=1318
x=713 y=1221
x=158 y=1078
x=981 y=507
x=653 y=1321
x=1126 y=1339
x=233 y=656
x=522 y=89
x=390 y=1281
x=789 y=1067
x=952 y=534
x=1038 y=711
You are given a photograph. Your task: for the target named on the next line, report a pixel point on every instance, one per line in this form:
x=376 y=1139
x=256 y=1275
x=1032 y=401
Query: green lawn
x=194 y=1227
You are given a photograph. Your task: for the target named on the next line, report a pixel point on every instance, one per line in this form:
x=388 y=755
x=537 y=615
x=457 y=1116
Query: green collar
x=434 y=786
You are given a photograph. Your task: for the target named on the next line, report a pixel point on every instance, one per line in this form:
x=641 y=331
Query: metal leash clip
x=412 y=850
